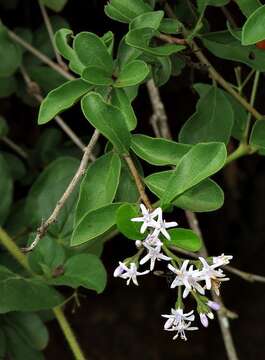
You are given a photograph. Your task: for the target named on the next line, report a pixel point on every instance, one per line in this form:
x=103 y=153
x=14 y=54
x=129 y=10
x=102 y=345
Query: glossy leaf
x=94 y=223
x=91 y=50
x=212 y=121
x=205 y=196
x=253 y=30
x=147 y=20
x=126 y=10
x=99 y=186
x=170 y=26
x=47 y=190
x=126 y=54
x=158 y=151
x=96 y=75
x=185 y=239
x=84 y=270
x=141 y=38
x=132 y=73
x=120 y=99
x=257 y=137
x=248 y=6
x=36 y=294
x=127 y=190
x=109 y=120
x=129 y=228
x=202 y=161
x=55 y=5
x=61 y=99
x=222 y=44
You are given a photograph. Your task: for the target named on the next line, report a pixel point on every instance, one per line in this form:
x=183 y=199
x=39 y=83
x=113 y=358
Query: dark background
x=125 y=322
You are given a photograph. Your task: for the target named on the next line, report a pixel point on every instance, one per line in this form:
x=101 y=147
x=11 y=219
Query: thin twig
x=222 y=315
x=14 y=147
x=138 y=181
x=213 y=73
x=40 y=55
x=42 y=230
x=51 y=34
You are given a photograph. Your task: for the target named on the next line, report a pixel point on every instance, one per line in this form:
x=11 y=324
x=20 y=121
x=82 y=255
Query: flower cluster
x=190 y=277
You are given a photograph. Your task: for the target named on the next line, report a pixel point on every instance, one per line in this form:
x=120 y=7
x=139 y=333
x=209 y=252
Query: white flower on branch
x=176 y=317
x=222 y=260
x=181 y=328
x=204 y=319
x=153 y=255
x=147 y=218
x=210 y=275
x=129 y=273
x=162 y=226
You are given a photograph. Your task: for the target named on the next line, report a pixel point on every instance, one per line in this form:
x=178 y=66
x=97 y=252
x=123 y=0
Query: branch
x=40 y=55
x=213 y=73
x=14 y=147
x=51 y=35
x=42 y=230
x=222 y=314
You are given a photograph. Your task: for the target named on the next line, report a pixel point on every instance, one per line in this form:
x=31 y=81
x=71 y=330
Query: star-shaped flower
x=153 y=255
x=181 y=328
x=148 y=218
x=130 y=273
x=176 y=317
x=162 y=226
x=209 y=273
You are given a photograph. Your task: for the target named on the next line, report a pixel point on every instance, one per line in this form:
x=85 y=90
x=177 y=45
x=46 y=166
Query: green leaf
x=61 y=99
x=257 y=137
x=126 y=10
x=46 y=77
x=96 y=75
x=120 y=99
x=158 y=151
x=3 y=127
x=108 y=119
x=91 y=50
x=170 y=26
x=127 y=190
x=30 y=327
x=132 y=73
x=62 y=38
x=253 y=30
x=84 y=270
x=10 y=54
x=127 y=227
x=47 y=256
x=185 y=239
x=18 y=348
x=222 y=44
x=94 y=223
x=141 y=38
x=212 y=121
x=150 y=19
x=248 y=6
x=202 y=161
x=8 y=86
x=36 y=294
x=161 y=70
x=126 y=54
x=45 y=193
x=99 y=186
x=205 y=196
x=55 y=5
x=6 y=190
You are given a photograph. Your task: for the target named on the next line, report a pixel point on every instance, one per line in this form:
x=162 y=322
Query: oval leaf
x=127 y=227
x=185 y=239
x=132 y=73
x=254 y=29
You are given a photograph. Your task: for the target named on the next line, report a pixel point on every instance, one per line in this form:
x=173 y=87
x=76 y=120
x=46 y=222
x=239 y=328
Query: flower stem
x=14 y=250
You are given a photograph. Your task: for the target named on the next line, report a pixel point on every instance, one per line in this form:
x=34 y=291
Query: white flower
x=209 y=274
x=189 y=278
x=204 y=320
x=130 y=273
x=176 y=317
x=222 y=259
x=153 y=240
x=181 y=328
x=162 y=225
x=153 y=255
x=147 y=218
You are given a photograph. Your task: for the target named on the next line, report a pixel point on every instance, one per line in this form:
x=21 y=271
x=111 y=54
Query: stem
x=138 y=181
x=14 y=147
x=252 y=101
x=242 y=150
x=68 y=333
x=14 y=250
